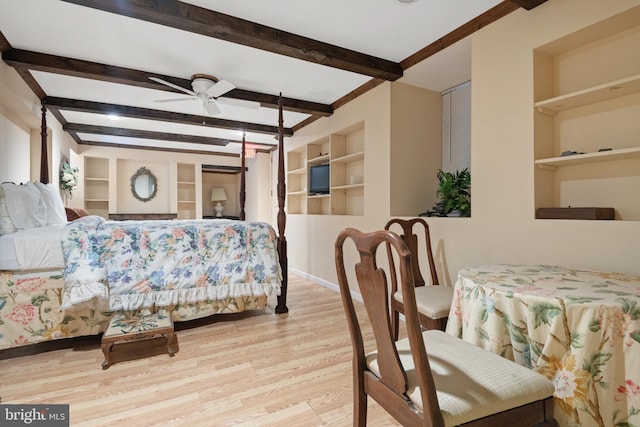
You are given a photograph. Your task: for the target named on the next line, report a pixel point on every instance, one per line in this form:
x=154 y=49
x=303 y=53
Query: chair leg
x=359 y=399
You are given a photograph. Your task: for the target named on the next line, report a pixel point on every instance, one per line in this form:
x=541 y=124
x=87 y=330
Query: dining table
x=578 y=327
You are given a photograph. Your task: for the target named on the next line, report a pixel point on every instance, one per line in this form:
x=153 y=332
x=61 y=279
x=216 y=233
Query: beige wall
x=502 y=228
x=416 y=137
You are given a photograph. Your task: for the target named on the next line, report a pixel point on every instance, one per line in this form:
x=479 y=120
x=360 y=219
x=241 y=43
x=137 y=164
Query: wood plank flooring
x=250 y=369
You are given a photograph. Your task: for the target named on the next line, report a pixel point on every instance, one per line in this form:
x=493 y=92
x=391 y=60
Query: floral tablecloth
x=579 y=328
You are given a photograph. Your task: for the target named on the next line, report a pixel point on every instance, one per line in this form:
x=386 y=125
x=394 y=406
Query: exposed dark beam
x=145 y=134
x=528 y=4
x=187 y=17
x=231 y=170
x=31 y=82
x=166 y=116
x=143 y=147
x=19 y=58
x=4 y=43
x=289 y=104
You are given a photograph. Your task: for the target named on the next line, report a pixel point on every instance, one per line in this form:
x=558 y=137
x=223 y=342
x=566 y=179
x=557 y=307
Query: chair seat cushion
x=471 y=382
x=432 y=301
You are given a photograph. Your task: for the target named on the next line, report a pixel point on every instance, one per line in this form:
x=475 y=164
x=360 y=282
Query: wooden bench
x=127 y=327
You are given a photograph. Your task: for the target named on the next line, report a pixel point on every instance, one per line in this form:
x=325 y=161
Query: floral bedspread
x=580 y=328
x=125 y=265
x=30 y=310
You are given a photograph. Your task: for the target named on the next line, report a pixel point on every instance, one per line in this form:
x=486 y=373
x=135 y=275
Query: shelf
x=96 y=200
x=318 y=160
x=603 y=92
x=318 y=196
x=349 y=158
x=186 y=183
x=297 y=193
x=186 y=201
x=96 y=179
x=577 y=159
x=347 y=187
x=299 y=171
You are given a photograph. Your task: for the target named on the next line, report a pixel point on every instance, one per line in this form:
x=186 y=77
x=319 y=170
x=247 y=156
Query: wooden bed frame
x=281 y=306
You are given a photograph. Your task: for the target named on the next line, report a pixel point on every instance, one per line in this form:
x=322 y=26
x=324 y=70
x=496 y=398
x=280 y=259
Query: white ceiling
x=383 y=28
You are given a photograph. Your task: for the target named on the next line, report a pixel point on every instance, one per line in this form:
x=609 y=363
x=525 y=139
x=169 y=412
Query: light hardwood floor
x=252 y=369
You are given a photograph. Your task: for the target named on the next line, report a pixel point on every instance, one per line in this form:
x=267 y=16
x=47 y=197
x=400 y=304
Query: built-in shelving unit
x=344 y=153
x=96 y=186
x=186 y=191
x=587 y=90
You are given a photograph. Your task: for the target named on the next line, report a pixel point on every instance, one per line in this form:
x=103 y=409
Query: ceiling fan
x=207 y=89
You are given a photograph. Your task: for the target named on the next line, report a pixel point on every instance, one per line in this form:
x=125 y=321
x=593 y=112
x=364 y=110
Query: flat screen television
x=319 y=179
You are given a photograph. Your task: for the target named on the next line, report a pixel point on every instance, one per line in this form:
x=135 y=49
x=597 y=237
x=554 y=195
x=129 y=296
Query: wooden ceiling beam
x=528 y=4
x=149 y=148
x=165 y=116
x=19 y=58
x=145 y=134
x=195 y=19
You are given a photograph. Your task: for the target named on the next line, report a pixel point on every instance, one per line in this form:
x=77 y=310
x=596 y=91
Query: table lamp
x=218 y=195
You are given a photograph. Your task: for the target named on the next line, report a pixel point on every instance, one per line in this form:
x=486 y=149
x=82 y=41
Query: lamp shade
x=218 y=194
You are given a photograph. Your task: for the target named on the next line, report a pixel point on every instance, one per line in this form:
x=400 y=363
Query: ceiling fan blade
x=211 y=108
x=175 y=99
x=239 y=102
x=220 y=88
x=166 y=83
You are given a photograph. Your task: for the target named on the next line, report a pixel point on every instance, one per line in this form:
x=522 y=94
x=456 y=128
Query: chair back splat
x=411 y=239
x=428 y=378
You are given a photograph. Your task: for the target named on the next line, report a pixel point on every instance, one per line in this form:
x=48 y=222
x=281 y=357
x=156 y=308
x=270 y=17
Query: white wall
x=16 y=119
x=20 y=139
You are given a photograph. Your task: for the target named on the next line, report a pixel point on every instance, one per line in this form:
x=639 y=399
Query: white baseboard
x=355 y=295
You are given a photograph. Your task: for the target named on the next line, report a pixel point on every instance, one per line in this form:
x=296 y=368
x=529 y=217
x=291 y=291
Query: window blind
x=456 y=128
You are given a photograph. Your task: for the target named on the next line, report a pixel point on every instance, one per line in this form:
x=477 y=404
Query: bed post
x=243 y=193
x=44 y=157
x=282 y=218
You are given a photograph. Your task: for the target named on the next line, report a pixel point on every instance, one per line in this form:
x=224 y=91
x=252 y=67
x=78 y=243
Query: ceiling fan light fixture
x=202 y=84
x=405 y=2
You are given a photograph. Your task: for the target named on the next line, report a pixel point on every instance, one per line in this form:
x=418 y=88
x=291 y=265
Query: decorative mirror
x=144 y=185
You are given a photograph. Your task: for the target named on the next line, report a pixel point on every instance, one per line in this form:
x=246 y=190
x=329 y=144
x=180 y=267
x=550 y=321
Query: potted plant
x=454 y=193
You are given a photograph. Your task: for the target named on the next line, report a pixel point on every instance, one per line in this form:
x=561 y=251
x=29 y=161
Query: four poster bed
x=68 y=278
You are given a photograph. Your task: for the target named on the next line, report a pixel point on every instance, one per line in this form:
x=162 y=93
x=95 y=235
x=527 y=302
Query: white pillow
x=25 y=205
x=56 y=214
x=6 y=225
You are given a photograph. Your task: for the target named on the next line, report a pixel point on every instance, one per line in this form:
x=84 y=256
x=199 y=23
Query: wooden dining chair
x=428 y=378
x=434 y=301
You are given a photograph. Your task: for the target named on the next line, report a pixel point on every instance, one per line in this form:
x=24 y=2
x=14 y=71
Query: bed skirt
x=30 y=310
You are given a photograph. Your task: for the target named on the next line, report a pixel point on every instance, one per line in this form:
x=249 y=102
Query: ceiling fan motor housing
x=202 y=82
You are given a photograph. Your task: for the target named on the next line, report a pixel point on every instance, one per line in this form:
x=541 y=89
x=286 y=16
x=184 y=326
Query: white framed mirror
x=144 y=184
